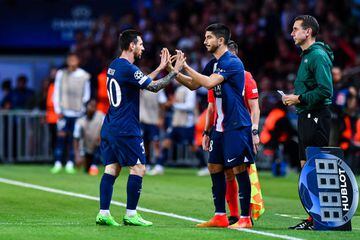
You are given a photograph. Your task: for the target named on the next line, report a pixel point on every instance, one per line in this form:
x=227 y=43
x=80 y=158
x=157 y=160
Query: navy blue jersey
x=124 y=81
x=229 y=95
x=209 y=68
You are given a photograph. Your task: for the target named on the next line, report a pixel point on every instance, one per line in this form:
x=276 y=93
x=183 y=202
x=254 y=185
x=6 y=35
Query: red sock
x=309 y=219
x=232 y=197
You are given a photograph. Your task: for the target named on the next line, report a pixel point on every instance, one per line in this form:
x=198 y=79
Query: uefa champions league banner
x=328 y=189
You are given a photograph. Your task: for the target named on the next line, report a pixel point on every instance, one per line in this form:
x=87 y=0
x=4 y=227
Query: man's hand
x=206 y=142
x=256 y=142
x=180 y=61
x=290 y=99
x=169 y=66
x=165 y=59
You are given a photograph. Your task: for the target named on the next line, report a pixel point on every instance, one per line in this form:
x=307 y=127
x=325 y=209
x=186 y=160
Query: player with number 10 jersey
x=121 y=143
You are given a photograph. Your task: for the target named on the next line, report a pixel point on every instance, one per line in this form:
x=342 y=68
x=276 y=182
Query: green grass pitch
x=31 y=214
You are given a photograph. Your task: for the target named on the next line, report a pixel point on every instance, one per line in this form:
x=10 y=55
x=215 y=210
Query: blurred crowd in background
x=262 y=30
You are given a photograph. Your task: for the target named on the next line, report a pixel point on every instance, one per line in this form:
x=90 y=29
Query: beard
x=213 y=49
x=137 y=56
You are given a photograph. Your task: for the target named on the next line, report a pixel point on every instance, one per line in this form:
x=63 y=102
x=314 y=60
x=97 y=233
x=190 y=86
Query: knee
x=167 y=143
x=138 y=170
x=61 y=134
x=215 y=168
x=113 y=170
x=229 y=174
x=240 y=169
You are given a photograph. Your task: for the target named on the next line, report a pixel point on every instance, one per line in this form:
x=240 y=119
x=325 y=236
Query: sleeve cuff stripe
x=143 y=79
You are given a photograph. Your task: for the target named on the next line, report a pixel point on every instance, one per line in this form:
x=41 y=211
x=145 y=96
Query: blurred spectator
x=261 y=28
x=199 y=152
x=51 y=116
x=102 y=97
x=22 y=97
x=278 y=135
x=6 y=89
x=181 y=130
x=152 y=121
x=72 y=91
x=87 y=138
x=349 y=122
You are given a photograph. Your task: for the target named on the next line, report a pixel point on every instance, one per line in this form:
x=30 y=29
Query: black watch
x=255 y=132
x=206 y=132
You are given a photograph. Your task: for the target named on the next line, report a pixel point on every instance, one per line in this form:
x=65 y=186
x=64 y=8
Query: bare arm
x=209 y=120
x=255 y=116
x=254 y=112
x=182 y=78
x=205 y=81
x=187 y=81
x=157 y=85
x=154 y=73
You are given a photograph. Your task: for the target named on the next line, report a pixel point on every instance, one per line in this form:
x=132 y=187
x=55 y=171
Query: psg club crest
x=328 y=189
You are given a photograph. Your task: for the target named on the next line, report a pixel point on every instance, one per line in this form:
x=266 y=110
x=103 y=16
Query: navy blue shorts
x=66 y=124
x=150 y=132
x=181 y=135
x=125 y=150
x=231 y=148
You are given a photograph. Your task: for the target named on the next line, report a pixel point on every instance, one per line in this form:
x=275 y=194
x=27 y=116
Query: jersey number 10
x=110 y=85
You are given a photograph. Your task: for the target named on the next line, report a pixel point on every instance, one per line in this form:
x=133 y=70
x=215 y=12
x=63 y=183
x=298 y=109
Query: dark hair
x=232 y=46
x=90 y=100
x=22 y=78
x=73 y=54
x=6 y=84
x=220 y=30
x=127 y=37
x=309 y=22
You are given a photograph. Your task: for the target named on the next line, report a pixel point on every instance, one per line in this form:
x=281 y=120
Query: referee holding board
x=313 y=91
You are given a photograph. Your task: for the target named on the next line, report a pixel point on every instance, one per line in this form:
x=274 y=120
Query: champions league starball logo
x=328 y=190
x=138 y=75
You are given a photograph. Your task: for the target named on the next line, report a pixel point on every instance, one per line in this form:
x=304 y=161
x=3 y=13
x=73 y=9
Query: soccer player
x=72 y=91
x=252 y=104
x=121 y=143
x=231 y=141
x=313 y=91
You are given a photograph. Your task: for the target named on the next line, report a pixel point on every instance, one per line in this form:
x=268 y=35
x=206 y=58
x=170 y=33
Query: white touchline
x=289 y=216
x=173 y=215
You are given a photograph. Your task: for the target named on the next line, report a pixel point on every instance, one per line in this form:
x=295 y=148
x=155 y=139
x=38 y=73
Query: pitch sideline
x=84 y=196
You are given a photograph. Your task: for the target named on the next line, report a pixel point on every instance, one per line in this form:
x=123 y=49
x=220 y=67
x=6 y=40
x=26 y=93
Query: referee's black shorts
x=313 y=129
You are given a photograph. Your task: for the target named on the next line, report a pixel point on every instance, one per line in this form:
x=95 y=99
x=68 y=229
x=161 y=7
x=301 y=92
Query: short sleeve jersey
x=124 y=81
x=251 y=91
x=229 y=95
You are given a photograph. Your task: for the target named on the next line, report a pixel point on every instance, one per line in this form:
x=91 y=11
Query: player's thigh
x=238 y=147
x=216 y=153
x=129 y=150
x=108 y=155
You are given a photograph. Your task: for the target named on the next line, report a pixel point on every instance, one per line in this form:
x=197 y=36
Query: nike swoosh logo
x=230 y=160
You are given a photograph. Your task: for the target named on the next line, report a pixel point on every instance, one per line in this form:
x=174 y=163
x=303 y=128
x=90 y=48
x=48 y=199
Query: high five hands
x=180 y=61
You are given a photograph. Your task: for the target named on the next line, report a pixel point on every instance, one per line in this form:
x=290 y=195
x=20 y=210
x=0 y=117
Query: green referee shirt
x=314 y=80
